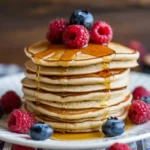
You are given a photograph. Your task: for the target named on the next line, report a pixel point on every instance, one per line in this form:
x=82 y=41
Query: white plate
x=137 y=133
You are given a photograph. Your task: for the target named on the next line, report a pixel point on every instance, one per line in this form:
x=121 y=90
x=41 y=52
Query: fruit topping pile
x=79 y=30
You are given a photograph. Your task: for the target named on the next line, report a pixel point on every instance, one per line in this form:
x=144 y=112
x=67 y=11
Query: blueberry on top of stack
x=80 y=29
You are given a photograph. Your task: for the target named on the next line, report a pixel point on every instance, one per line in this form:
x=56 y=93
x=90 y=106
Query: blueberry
x=82 y=17
x=113 y=127
x=146 y=99
x=41 y=131
x=1 y=111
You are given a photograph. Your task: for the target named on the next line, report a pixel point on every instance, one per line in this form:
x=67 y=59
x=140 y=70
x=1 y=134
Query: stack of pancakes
x=75 y=90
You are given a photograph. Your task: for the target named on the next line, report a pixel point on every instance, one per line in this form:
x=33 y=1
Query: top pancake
x=46 y=54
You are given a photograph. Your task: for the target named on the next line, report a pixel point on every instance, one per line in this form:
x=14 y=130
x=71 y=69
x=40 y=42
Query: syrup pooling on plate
x=86 y=136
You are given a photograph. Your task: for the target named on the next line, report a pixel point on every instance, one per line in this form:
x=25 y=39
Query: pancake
x=76 y=88
x=70 y=114
x=96 y=78
x=62 y=71
x=46 y=54
x=81 y=104
x=73 y=97
x=88 y=124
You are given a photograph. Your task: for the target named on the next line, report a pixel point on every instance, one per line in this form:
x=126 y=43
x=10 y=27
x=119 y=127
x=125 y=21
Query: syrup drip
x=106 y=98
x=105 y=115
x=107 y=76
x=107 y=83
x=38 y=84
x=106 y=62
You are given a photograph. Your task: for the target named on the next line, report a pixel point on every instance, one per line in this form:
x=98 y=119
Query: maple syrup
x=37 y=83
x=63 y=53
x=105 y=115
x=105 y=99
x=86 y=136
x=57 y=55
x=107 y=76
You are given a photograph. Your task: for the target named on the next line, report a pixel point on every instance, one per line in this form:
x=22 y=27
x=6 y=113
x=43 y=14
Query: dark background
x=25 y=21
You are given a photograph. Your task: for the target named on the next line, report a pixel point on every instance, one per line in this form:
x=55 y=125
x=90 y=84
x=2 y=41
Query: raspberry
x=20 y=121
x=10 y=101
x=19 y=147
x=119 y=146
x=56 y=29
x=138 y=46
x=101 y=32
x=139 y=112
x=140 y=92
x=76 y=36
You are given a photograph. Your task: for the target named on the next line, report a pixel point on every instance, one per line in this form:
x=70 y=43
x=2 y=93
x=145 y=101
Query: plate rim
x=67 y=145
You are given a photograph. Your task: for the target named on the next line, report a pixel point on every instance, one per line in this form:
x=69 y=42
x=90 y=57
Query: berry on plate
x=20 y=121
x=101 y=33
x=1 y=111
x=113 y=127
x=82 y=17
x=140 y=92
x=56 y=29
x=76 y=36
x=139 y=112
x=146 y=99
x=119 y=146
x=41 y=131
x=10 y=101
x=19 y=147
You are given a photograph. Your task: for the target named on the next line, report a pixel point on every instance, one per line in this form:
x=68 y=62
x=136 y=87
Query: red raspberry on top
x=19 y=147
x=139 y=112
x=56 y=29
x=10 y=101
x=76 y=36
x=101 y=33
x=20 y=121
x=119 y=146
x=140 y=92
